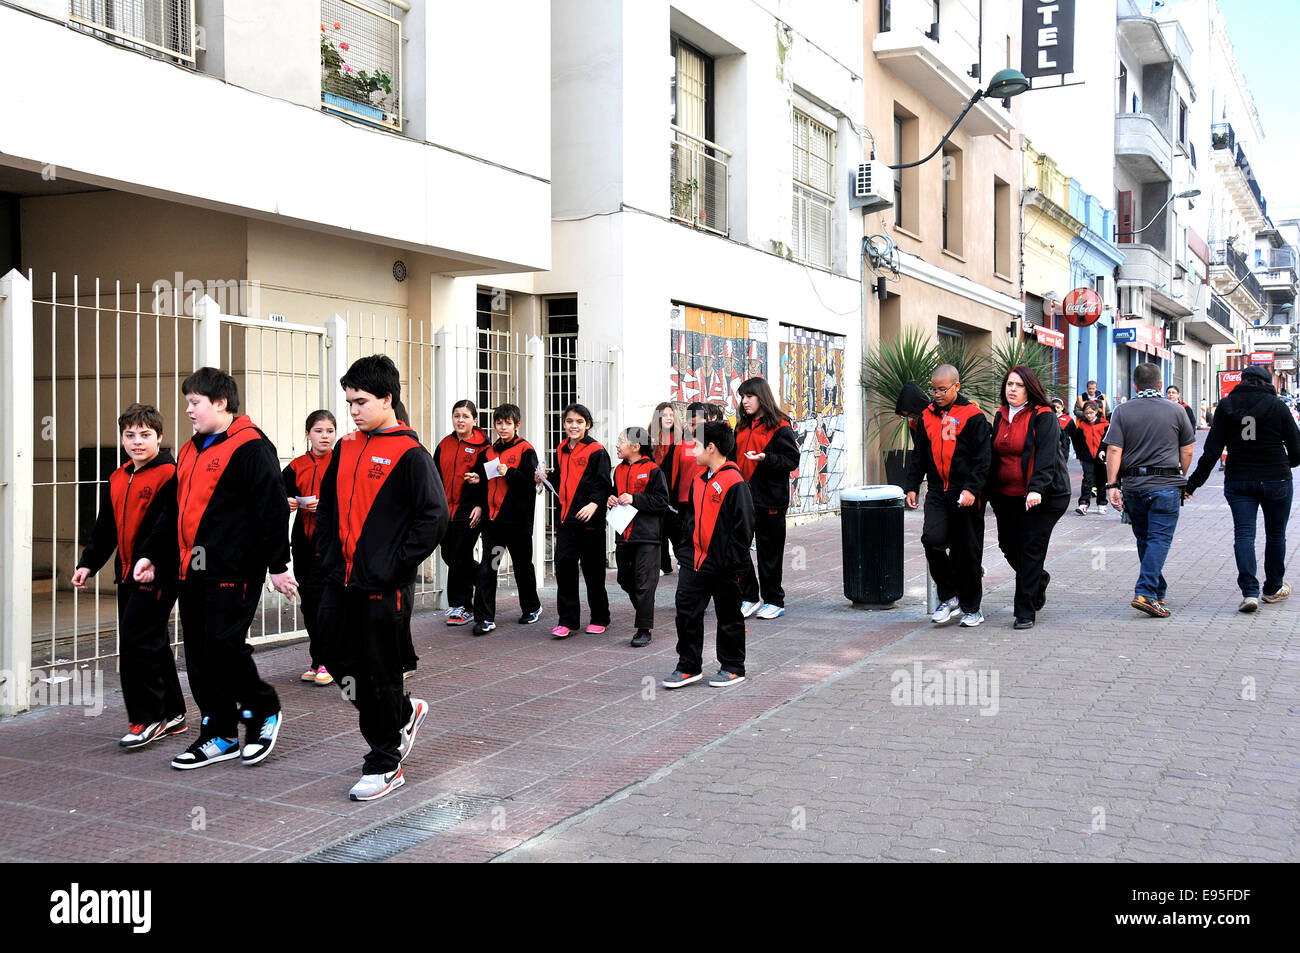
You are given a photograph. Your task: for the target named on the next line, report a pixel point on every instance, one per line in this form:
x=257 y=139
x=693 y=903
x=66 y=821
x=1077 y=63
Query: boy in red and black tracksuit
x=719 y=523
x=134 y=503
x=952 y=452
x=382 y=513
x=769 y=483
x=639 y=482
x=511 y=504
x=1089 y=447
x=685 y=470
x=582 y=479
x=232 y=525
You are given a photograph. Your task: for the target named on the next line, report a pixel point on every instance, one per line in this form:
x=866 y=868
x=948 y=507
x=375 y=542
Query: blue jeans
x=1246 y=498
x=1153 y=514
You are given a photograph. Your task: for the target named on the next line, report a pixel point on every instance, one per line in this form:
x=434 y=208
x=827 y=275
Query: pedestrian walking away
x=134 y=504
x=1263 y=445
x=457 y=456
x=766 y=452
x=1028 y=485
x=1148 y=451
x=512 y=489
x=639 y=483
x=719 y=523
x=302 y=479
x=951 y=453
x=230 y=520
x=582 y=480
x=382 y=514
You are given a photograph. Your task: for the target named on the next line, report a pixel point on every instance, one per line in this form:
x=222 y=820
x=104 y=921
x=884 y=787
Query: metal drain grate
x=404 y=831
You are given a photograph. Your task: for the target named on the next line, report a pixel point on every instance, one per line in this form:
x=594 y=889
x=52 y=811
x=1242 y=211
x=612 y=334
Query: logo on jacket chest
x=213 y=465
x=146 y=494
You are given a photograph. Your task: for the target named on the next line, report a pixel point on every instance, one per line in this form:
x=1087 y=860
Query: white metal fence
x=75 y=354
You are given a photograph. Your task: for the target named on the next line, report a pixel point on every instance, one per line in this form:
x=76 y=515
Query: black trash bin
x=871 y=531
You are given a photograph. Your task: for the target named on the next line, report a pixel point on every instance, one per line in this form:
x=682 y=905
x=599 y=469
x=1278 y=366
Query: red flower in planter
x=338 y=26
x=344 y=47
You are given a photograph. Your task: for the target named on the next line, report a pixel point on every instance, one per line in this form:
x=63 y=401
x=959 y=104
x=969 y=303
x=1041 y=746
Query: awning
x=1154 y=349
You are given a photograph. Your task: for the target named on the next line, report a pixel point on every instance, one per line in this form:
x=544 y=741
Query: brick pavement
x=547 y=729
x=1116 y=737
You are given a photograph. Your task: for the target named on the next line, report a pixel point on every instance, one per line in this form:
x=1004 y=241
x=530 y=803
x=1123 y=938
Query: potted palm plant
x=911 y=356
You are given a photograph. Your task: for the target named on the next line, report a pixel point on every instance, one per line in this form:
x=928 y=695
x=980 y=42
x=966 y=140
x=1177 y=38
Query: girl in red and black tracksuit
x=1065 y=420
x=685 y=469
x=719 y=524
x=664 y=428
x=1028 y=485
x=457 y=455
x=382 y=513
x=581 y=477
x=639 y=482
x=302 y=479
x=134 y=504
x=1089 y=447
x=511 y=503
x=766 y=452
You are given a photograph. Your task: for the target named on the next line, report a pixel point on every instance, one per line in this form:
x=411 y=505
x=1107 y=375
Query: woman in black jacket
x=1263 y=445
x=1028 y=486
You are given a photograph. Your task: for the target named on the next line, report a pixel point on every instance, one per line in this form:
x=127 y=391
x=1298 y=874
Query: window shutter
x=1125 y=218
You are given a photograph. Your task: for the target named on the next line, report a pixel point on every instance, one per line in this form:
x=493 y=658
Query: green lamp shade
x=1007 y=83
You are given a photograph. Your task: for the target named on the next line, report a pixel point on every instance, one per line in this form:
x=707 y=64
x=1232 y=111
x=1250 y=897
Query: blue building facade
x=1092 y=256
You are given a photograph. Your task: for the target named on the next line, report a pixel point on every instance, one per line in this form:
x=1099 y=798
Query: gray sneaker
x=419 y=710
x=972 y=619
x=1248 y=604
x=946 y=611
x=371 y=787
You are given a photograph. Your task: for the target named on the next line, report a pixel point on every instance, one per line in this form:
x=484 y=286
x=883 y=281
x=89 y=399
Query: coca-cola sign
x=1082 y=307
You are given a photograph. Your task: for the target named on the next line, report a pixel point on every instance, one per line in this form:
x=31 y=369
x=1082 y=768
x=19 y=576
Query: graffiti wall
x=710 y=354
x=812 y=393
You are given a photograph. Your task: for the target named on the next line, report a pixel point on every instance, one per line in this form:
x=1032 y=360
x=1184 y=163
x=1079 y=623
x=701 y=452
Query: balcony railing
x=1222 y=137
x=361 y=62
x=153 y=26
x=1223 y=255
x=699 y=182
x=1220 y=314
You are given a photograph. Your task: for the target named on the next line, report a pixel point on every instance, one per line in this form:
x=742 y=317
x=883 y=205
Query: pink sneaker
x=561 y=632
x=323 y=677
x=595 y=629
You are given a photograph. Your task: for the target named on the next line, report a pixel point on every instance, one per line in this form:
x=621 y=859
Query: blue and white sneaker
x=206 y=751
x=259 y=737
x=747 y=608
x=528 y=618
x=769 y=611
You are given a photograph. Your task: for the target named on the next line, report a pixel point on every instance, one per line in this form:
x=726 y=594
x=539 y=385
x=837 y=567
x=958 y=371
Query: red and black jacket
x=718 y=525
x=686 y=470
x=134 y=504
x=666 y=456
x=580 y=477
x=511 y=499
x=645 y=480
x=382 y=510
x=455 y=458
x=951 y=451
x=769 y=478
x=1042 y=456
x=231 y=514
x=1067 y=424
x=1089 y=439
x=302 y=477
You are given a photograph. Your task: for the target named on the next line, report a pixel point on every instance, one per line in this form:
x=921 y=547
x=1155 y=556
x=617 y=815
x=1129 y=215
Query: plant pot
x=353 y=105
x=895 y=467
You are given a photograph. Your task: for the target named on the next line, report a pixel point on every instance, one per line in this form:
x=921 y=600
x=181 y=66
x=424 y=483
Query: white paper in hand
x=492 y=468
x=621 y=516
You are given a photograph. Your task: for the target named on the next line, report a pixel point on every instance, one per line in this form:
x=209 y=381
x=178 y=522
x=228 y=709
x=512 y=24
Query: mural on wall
x=812 y=393
x=710 y=354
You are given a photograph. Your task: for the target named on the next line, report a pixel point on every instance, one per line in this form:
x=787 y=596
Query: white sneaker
x=1082 y=509
x=1102 y=509
x=946 y=611
x=419 y=710
x=769 y=611
x=747 y=609
x=972 y=619
x=374 y=786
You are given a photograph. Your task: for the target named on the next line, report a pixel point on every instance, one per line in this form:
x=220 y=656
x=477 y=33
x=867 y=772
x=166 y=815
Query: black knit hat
x=911 y=400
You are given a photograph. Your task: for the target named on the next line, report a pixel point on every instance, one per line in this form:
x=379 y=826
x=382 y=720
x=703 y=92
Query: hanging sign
x=1047 y=38
x=1082 y=307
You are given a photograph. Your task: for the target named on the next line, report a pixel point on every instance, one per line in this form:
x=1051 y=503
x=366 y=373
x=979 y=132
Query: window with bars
x=814 y=162
x=495 y=386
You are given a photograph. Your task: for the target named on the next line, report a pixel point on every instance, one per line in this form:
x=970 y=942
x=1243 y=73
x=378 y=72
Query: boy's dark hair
x=399 y=411
x=508 y=412
x=637 y=435
x=468 y=405
x=376 y=374
x=316 y=416
x=581 y=411
x=720 y=434
x=141 y=415
x=214 y=384
x=717 y=412
x=1096 y=407
x=697 y=409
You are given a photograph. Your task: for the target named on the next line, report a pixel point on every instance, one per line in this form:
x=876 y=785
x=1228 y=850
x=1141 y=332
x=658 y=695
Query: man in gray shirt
x=1149 y=448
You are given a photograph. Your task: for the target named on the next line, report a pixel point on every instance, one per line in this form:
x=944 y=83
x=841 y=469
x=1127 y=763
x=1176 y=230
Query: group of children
x=205 y=529
x=1087 y=436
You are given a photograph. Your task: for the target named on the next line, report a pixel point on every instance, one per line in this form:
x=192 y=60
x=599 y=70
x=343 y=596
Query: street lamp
x=1005 y=84
x=1189 y=194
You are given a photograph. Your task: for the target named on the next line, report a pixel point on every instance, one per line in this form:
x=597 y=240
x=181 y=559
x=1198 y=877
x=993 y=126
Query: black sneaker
x=206 y=751
x=528 y=618
x=1152 y=607
x=138 y=735
x=679 y=678
x=641 y=638
x=484 y=627
x=259 y=738
x=1023 y=624
x=175 y=726
x=724 y=678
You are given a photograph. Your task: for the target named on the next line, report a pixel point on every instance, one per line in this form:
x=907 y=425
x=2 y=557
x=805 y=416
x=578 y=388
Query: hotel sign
x=1047 y=38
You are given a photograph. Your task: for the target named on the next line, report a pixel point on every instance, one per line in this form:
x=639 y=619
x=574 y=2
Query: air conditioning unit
x=871 y=186
x=1176 y=335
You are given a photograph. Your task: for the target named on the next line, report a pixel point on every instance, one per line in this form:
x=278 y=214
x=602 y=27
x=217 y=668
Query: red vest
x=753 y=438
x=633 y=478
x=572 y=464
x=196 y=484
x=497 y=488
x=307 y=473
x=365 y=463
x=132 y=494
x=687 y=470
x=709 y=494
x=456 y=457
x=943 y=432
